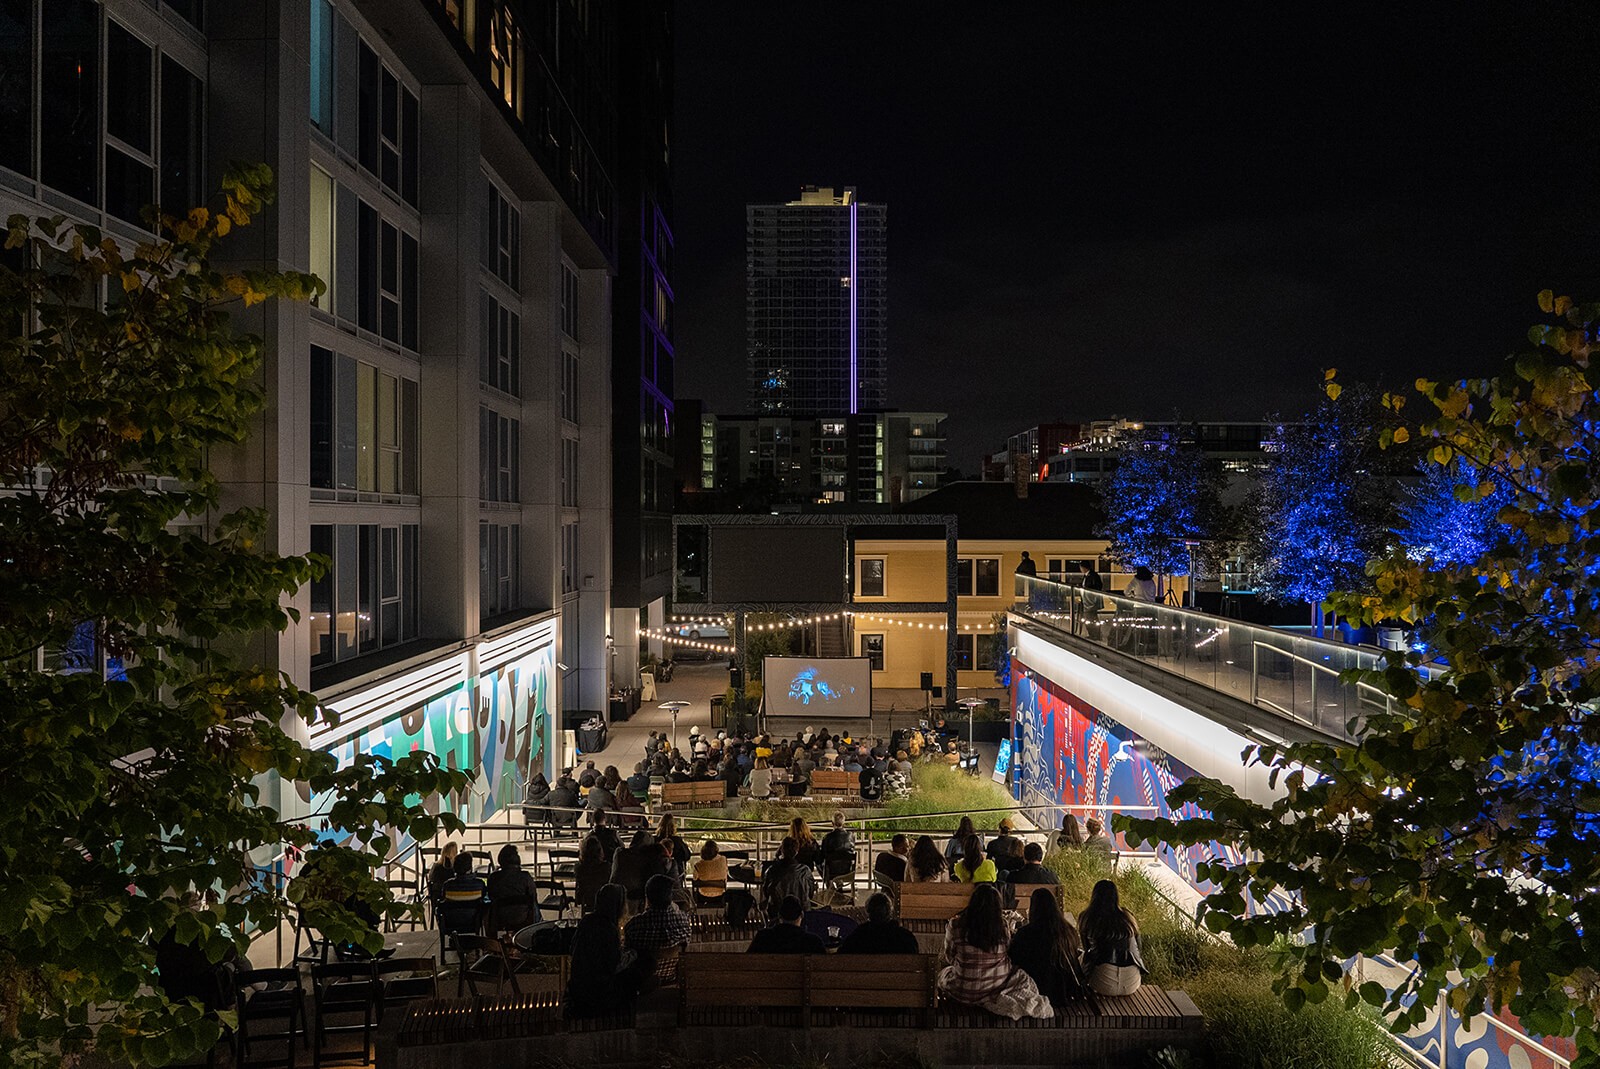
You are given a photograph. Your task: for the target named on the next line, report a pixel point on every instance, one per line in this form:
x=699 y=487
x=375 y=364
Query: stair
x=831 y=641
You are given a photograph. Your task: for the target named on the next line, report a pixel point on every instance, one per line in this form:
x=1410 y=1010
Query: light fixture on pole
x=673 y=707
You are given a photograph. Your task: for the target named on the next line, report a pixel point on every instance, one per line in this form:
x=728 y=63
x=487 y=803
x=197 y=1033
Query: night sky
x=1101 y=210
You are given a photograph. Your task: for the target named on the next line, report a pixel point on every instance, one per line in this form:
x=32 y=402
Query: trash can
x=719 y=718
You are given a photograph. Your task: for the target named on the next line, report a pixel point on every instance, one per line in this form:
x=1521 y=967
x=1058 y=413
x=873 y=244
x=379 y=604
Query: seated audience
x=891 y=864
x=710 y=874
x=787 y=877
x=442 y=872
x=534 y=799
x=787 y=936
x=639 y=782
x=667 y=835
x=636 y=863
x=1001 y=846
x=563 y=796
x=760 y=780
x=593 y=872
x=1110 y=938
x=807 y=850
x=840 y=842
x=1070 y=837
x=871 y=782
x=957 y=844
x=660 y=927
x=462 y=899
x=974 y=867
x=598 y=983
x=979 y=972
x=927 y=864
x=902 y=763
x=1046 y=948
x=1032 y=870
x=605 y=831
x=513 y=902
x=881 y=934
x=1097 y=841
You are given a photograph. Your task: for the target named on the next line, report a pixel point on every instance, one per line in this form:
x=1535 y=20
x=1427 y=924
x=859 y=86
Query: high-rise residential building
x=642 y=344
x=438 y=423
x=816 y=304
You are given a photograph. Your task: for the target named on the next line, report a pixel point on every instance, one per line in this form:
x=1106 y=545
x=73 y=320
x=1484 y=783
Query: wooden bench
x=927 y=907
x=835 y=781
x=698 y=793
x=785 y=989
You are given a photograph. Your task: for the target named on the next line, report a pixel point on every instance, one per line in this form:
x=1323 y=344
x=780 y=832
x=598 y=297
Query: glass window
x=345 y=436
x=569 y=472
x=569 y=386
x=346 y=575
x=499 y=345
x=128 y=71
x=16 y=85
x=322 y=395
x=367 y=267
x=322 y=72
x=366 y=426
x=964 y=576
x=322 y=598
x=367 y=589
x=389 y=282
x=322 y=209
x=409 y=127
x=504 y=55
x=370 y=593
x=181 y=139
x=872 y=650
x=499 y=442
x=501 y=237
x=871 y=577
x=986 y=577
x=369 y=87
x=499 y=567
x=964 y=653
x=983 y=658
x=70 y=98
x=569 y=302
x=130 y=185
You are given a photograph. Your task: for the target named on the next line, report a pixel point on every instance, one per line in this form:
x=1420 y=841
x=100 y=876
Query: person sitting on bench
x=787 y=877
x=787 y=936
x=881 y=934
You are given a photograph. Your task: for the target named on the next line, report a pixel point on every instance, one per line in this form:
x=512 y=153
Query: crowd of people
x=1012 y=950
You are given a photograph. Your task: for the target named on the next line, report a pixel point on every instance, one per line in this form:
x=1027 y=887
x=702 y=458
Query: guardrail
x=1295 y=676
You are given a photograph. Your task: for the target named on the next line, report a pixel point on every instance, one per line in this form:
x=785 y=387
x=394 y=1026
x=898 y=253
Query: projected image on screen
x=818 y=686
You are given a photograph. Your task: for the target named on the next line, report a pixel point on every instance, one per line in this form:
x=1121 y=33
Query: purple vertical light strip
x=855 y=375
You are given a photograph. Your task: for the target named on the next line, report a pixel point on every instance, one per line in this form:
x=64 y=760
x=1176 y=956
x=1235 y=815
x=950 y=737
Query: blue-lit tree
x=1442 y=519
x=1162 y=495
x=1459 y=829
x=1322 y=508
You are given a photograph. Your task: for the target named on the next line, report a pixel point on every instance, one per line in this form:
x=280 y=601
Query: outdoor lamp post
x=673 y=707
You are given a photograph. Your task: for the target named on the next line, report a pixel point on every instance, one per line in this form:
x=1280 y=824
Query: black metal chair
x=317 y=945
x=344 y=990
x=482 y=862
x=406 y=892
x=484 y=959
x=405 y=980
x=271 y=1009
x=557 y=895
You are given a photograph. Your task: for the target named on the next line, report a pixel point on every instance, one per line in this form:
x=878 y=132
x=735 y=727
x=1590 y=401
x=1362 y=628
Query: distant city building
x=816 y=305
x=1239 y=448
x=1038 y=444
x=879 y=458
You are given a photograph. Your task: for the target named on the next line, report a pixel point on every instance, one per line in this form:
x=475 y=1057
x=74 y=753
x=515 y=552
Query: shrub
x=1248 y=1025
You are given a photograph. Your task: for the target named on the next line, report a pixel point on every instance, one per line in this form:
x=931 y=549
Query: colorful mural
x=496 y=724
x=1073 y=754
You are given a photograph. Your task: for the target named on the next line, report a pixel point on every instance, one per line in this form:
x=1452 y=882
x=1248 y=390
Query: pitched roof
x=992 y=510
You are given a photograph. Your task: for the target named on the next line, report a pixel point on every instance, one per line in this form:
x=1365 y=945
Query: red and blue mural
x=1077 y=755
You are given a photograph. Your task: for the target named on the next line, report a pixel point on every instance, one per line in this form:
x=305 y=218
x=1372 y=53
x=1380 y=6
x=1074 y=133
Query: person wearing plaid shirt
x=980 y=972
x=661 y=925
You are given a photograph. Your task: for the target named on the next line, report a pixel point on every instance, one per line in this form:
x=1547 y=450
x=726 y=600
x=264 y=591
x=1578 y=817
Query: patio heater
x=673 y=707
x=971 y=706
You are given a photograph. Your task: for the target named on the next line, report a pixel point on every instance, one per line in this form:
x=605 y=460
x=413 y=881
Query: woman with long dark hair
x=973 y=866
x=600 y=980
x=979 y=972
x=957 y=843
x=1110 y=943
x=807 y=849
x=927 y=864
x=667 y=835
x=1046 y=948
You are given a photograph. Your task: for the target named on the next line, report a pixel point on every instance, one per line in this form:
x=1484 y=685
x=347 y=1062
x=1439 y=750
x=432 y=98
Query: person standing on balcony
x=1143 y=585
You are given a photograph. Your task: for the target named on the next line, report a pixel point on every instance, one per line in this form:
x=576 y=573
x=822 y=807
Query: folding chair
x=317 y=945
x=488 y=960
x=271 y=1008
x=344 y=990
x=405 y=980
x=557 y=896
x=405 y=891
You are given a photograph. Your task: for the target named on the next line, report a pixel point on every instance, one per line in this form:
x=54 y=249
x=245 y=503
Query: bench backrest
x=878 y=981
x=836 y=780
x=933 y=901
x=690 y=793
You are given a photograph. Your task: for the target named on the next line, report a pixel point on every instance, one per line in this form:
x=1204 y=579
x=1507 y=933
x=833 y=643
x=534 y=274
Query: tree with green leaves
x=1460 y=831
x=140 y=741
x=1163 y=495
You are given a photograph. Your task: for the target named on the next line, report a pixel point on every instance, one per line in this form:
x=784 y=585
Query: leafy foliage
x=1462 y=832
x=1321 y=509
x=1162 y=493
x=1443 y=519
x=142 y=751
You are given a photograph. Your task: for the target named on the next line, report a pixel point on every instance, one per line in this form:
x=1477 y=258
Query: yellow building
x=1054 y=523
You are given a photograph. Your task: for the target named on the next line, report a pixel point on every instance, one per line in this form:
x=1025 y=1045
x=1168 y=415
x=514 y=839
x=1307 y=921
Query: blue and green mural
x=497 y=725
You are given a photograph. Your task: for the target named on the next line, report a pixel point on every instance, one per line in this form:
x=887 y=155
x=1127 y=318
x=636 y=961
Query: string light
x=679 y=640
x=983 y=628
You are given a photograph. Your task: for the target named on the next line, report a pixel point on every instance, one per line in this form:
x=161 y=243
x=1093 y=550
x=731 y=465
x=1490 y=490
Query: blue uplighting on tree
x=1437 y=526
x=1161 y=494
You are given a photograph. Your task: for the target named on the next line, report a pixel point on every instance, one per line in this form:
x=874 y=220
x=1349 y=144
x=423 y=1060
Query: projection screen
x=818 y=687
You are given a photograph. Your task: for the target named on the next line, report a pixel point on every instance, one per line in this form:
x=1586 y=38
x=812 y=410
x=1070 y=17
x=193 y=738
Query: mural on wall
x=1074 y=754
x=496 y=724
